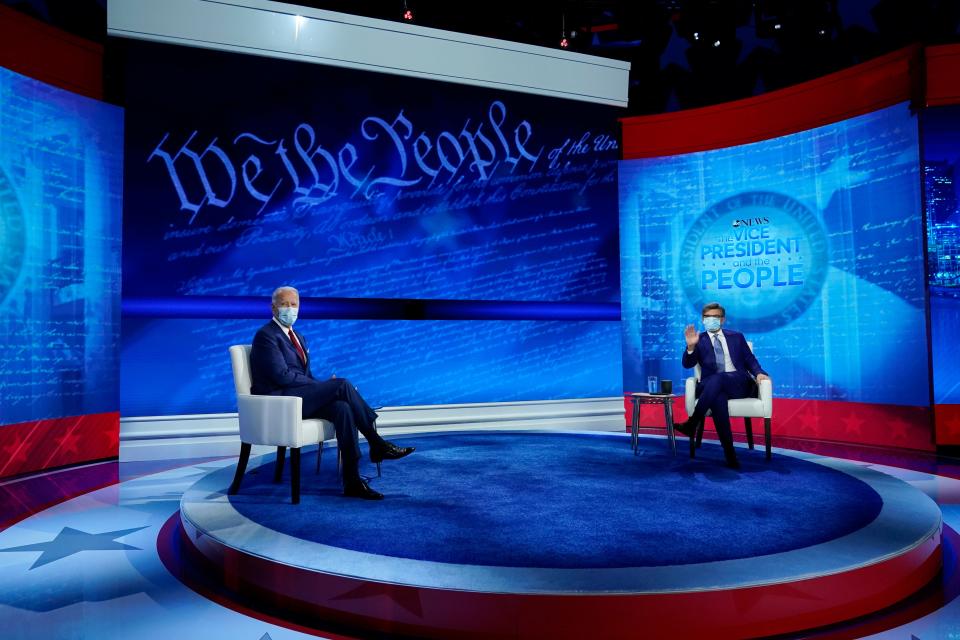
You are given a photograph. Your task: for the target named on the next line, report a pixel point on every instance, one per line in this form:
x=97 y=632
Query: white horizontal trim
x=279 y=30
x=193 y=436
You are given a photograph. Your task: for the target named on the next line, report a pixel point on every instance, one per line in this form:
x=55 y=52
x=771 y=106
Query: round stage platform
x=562 y=535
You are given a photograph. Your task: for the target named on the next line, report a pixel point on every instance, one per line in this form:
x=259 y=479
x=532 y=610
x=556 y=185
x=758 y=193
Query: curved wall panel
x=837 y=151
x=941 y=159
x=60 y=172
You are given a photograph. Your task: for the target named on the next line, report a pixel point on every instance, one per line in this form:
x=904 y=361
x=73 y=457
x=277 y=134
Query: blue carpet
x=566 y=501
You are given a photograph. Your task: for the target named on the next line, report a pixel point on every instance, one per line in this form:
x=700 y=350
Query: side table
x=665 y=399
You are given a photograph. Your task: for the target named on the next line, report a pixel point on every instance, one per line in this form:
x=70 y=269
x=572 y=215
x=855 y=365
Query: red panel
x=42 y=444
x=866 y=87
x=40 y=51
x=943 y=75
x=947 y=418
x=882 y=425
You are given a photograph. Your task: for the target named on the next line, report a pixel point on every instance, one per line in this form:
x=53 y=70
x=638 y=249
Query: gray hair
x=279 y=290
x=710 y=306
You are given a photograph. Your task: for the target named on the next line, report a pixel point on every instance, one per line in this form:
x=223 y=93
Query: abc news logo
x=750 y=222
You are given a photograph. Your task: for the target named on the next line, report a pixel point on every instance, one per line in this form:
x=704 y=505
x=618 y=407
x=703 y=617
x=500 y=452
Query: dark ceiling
x=684 y=53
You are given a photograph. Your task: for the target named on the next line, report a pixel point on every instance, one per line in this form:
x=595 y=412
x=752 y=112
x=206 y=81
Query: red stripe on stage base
x=27 y=447
x=882 y=425
x=294 y=593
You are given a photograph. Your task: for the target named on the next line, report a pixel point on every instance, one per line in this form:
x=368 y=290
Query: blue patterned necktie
x=718 y=352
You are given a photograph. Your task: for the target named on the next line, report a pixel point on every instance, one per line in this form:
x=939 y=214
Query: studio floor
x=81 y=550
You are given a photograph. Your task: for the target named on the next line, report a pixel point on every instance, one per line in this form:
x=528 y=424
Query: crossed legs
x=350 y=414
x=714 y=393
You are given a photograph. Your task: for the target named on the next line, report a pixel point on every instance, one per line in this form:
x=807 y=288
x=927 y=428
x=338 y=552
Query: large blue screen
x=812 y=242
x=941 y=158
x=60 y=188
x=182 y=370
x=246 y=173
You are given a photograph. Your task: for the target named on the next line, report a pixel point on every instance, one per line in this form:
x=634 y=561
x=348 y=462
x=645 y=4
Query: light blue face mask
x=711 y=323
x=287 y=316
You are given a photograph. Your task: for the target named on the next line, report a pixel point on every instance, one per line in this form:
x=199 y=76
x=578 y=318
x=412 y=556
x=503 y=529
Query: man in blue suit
x=280 y=366
x=727 y=371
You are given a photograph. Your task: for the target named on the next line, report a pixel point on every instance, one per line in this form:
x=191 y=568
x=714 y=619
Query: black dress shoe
x=687 y=428
x=733 y=464
x=361 y=489
x=389 y=451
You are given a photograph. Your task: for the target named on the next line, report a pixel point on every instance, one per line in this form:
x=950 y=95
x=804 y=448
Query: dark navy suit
x=716 y=386
x=277 y=370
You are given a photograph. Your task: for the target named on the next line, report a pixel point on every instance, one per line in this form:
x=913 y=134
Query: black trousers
x=712 y=395
x=338 y=401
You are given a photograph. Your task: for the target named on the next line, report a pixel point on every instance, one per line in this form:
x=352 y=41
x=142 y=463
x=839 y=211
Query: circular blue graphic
x=12 y=237
x=760 y=254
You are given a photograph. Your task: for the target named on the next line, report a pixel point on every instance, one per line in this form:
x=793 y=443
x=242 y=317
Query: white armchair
x=746 y=408
x=275 y=421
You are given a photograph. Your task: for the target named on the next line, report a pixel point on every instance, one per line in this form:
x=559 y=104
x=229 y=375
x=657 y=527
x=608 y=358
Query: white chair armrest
x=766 y=397
x=271 y=420
x=690 y=394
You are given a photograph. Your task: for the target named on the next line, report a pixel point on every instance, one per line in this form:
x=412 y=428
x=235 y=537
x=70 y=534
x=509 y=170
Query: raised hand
x=691 y=336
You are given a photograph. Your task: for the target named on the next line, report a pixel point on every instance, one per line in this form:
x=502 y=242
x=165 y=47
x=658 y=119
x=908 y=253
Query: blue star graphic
x=70 y=541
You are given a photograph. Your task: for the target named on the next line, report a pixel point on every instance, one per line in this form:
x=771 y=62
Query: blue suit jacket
x=275 y=365
x=703 y=354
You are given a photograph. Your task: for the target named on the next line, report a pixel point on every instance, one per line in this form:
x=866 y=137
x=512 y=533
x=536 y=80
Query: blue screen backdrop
x=246 y=173
x=392 y=362
x=941 y=158
x=61 y=167
x=812 y=242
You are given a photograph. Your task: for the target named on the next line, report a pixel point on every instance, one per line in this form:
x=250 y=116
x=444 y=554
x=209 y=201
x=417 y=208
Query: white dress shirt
x=286 y=332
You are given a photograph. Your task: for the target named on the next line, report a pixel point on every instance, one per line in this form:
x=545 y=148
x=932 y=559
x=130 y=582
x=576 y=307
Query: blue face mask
x=711 y=323
x=287 y=316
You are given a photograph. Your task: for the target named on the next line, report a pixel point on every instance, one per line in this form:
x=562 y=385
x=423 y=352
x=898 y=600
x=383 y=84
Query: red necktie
x=296 y=344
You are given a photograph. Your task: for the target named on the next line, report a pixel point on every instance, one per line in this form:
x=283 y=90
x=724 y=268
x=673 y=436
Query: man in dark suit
x=280 y=366
x=727 y=371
